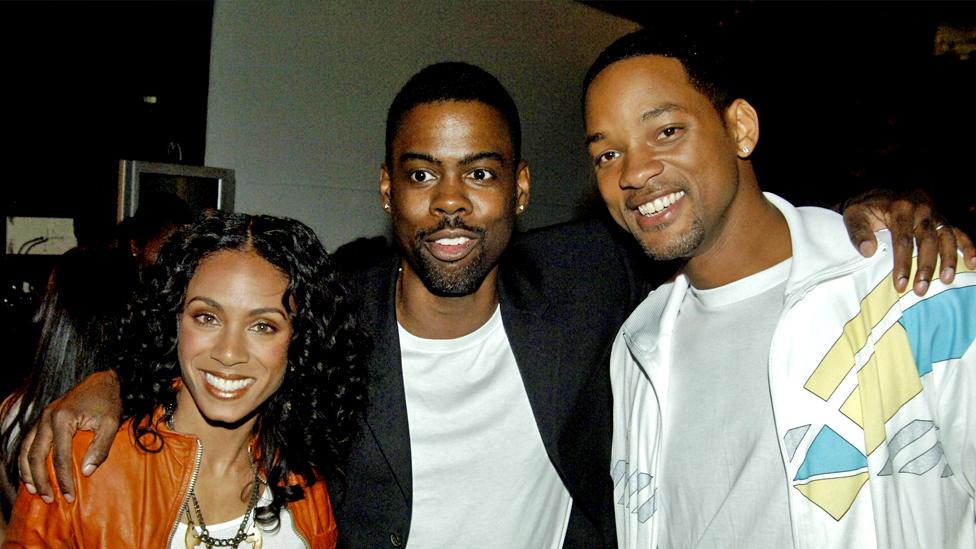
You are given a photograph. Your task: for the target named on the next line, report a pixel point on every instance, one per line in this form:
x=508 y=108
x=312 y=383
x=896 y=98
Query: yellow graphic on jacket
x=933 y=330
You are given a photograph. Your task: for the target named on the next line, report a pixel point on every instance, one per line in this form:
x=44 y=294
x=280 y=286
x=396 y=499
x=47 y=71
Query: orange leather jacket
x=134 y=500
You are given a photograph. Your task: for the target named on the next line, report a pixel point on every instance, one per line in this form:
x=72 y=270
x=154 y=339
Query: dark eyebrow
x=486 y=155
x=418 y=156
x=206 y=300
x=650 y=113
x=658 y=111
x=594 y=137
x=252 y=312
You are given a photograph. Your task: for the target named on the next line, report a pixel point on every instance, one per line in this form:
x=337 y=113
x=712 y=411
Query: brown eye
x=606 y=157
x=421 y=176
x=670 y=132
x=205 y=319
x=482 y=174
x=264 y=328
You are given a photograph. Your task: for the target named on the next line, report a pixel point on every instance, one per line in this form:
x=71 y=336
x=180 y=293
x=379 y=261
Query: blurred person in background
x=79 y=320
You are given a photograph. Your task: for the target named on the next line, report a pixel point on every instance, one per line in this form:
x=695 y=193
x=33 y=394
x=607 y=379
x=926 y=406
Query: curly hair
x=308 y=425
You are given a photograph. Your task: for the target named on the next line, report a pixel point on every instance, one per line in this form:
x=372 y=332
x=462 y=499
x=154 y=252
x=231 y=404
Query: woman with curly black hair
x=240 y=390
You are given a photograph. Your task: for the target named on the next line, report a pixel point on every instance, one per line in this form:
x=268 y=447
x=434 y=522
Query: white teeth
x=659 y=204
x=227 y=385
x=456 y=241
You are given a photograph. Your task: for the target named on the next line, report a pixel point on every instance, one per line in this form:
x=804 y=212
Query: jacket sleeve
x=34 y=523
x=954 y=354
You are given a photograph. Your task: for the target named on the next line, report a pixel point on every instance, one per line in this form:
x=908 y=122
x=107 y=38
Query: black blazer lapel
x=538 y=346
x=386 y=418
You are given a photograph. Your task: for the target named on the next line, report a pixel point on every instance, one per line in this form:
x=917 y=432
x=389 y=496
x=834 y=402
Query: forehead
x=237 y=272
x=453 y=128
x=639 y=83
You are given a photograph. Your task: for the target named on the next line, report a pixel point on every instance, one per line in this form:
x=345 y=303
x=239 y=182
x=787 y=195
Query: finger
x=948 y=256
x=37 y=458
x=64 y=430
x=23 y=464
x=928 y=253
x=99 y=447
x=902 y=217
x=966 y=247
x=858 y=222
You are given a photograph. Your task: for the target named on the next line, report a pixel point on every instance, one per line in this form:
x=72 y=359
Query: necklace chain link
x=204 y=535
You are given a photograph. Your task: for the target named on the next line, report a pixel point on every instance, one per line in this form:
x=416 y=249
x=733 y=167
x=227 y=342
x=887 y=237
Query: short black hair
x=453 y=81
x=700 y=53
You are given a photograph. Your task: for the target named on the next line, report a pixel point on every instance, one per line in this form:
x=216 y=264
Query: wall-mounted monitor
x=201 y=187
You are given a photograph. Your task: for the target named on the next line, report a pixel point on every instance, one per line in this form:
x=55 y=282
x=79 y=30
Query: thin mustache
x=450 y=222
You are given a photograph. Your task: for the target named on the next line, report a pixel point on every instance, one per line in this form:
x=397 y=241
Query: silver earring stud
x=746 y=149
x=521 y=207
x=386 y=206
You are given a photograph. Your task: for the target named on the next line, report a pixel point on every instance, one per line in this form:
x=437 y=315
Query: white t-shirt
x=285 y=537
x=481 y=475
x=722 y=483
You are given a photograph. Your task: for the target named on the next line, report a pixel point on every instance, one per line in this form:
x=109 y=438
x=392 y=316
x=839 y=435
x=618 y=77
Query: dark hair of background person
x=159 y=216
x=699 y=53
x=362 y=253
x=79 y=315
x=453 y=81
x=307 y=426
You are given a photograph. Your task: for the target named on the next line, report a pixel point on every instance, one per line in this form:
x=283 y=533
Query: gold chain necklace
x=193 y=538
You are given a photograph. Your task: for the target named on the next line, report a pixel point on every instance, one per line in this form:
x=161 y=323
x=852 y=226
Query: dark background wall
x=75 y=75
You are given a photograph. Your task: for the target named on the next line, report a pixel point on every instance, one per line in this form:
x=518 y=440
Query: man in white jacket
x=779 y=392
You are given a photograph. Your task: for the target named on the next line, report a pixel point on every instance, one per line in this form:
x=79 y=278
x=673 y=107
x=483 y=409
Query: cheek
x=275 y=359
x=612 y=197
x=190 y=343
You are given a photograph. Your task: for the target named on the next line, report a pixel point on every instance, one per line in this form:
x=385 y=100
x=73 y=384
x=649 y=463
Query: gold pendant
x=255 y=537
x=191 y=539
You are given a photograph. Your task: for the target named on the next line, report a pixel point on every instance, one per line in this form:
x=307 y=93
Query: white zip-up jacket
x=873 y=394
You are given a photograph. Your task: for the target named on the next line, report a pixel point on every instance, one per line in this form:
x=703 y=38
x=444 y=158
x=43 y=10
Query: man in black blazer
x=454 y=183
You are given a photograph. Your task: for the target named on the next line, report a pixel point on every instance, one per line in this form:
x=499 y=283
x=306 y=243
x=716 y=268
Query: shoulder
x=567 y=237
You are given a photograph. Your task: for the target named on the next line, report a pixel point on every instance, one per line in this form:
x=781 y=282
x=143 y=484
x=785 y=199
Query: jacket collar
x=821 y=248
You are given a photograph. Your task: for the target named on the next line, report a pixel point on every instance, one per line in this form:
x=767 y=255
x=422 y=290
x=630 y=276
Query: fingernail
x=47 y=499
x=88 y=469
x=30 y=488
x=70 y=498
x=947 y=274
x=902 y=282
x=865 y=247
x=921 y=287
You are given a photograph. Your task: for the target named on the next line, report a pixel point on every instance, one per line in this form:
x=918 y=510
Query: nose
x=450 y=197
x=230 y=348
x=640 y=166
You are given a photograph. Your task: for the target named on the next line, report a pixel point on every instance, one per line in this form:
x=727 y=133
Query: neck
x=225 y=447
x=751 y=237
x=431 y=316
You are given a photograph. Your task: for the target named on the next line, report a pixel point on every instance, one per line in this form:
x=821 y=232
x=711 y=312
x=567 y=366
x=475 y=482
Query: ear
x=744 y=122
x=385 y=195
x=523 y=182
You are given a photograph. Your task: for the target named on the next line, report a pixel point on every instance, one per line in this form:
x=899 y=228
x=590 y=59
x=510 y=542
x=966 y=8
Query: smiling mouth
x=450 y=249
x=227 y=388
x=660 y=204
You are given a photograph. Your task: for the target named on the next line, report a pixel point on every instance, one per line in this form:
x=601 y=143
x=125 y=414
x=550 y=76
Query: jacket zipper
x=792 y=299
x=294 y=528
x=186 y=494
